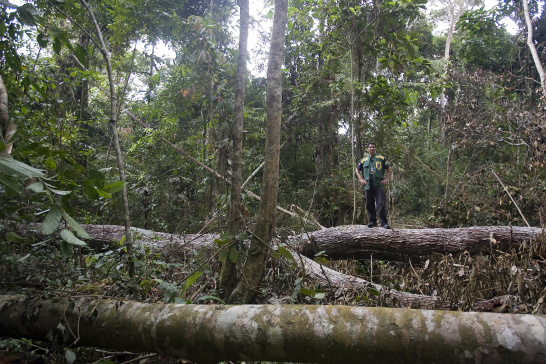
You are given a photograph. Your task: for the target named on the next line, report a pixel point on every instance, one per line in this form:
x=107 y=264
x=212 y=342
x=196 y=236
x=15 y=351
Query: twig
x=511 y=198
x=139 y=358
x=74 y=22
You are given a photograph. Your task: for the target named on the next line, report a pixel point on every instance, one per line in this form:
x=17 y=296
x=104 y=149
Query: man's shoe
x=372 y=224
x=385 y=226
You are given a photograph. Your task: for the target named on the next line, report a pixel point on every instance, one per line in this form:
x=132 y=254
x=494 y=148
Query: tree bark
x=361 y=242
x=6 y=126
x=254 y=267
x=318 y=334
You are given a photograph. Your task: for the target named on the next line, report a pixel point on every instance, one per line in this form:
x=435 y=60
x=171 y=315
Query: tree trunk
x=342 y=242
x=113 y=128
x=318 y=334
x=254 y=268
x=228 y=273
x=7 y=127
x=361 y=242
x=532 y=48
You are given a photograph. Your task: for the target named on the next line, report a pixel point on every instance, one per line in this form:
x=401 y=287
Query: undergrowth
x=172 y=274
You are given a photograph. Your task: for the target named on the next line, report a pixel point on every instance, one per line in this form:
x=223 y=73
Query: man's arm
x=359 y=175
x=387 y=176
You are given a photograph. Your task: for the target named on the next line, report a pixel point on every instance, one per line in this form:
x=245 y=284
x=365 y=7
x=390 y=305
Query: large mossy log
x=318 y=334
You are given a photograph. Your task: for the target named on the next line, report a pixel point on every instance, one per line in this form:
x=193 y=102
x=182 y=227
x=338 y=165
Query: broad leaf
x=204 y=298
x=103 y=194
x=11 y=237
x=13 y=188
x=26 y=14
x=285 y=253
x=114 y=186
x=189 y=282
x=42 y=40
x=52 y=220
x=71 y=239
x=233 y=254
x=12 y=166
x=60 y=192
x=81 y=54
x=57 y=45
x=37 y=187
x=76 y=226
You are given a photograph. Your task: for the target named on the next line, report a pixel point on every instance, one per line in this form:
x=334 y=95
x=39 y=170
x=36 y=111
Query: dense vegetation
x=465 y=136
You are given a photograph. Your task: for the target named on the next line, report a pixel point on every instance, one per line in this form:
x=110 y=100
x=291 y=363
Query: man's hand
x=384 y=181
x=363 y=182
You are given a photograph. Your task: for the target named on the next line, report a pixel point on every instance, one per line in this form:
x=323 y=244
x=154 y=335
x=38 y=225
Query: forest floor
x=51 y=268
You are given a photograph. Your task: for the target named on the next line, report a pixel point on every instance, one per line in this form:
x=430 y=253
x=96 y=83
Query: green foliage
x=484 y=42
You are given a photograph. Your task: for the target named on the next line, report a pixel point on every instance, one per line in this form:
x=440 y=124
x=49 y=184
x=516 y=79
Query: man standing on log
x=375 y=172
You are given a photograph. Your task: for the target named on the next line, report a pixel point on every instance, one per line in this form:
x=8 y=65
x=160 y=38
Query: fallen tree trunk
x=361 y=242
x=344 y=242
x=318 y=334
x=342 y=282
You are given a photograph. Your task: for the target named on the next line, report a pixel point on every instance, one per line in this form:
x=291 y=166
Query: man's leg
x=370 y=206
x=380 y=198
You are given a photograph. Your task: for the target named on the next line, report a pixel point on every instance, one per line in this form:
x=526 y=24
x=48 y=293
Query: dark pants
x=376 y=195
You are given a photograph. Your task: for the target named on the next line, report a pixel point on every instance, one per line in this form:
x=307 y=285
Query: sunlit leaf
x=12 y=166
x=307 y=292
x=320 y=295
x=50 y=163
x=189 y=282
x=114 y=186
x=103 y=194
x=60 y=192
x=36 y=187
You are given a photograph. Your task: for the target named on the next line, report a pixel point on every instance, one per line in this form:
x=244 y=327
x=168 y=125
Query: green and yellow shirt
x=373 y=167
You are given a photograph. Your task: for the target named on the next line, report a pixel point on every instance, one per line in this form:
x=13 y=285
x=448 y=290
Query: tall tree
x=254 y=268
x=532 y=48
x=115 y=138
x=229 y=267
x=454 y=10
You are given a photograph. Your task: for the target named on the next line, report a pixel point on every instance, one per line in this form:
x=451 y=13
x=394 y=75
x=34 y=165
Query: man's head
x=372 y=148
